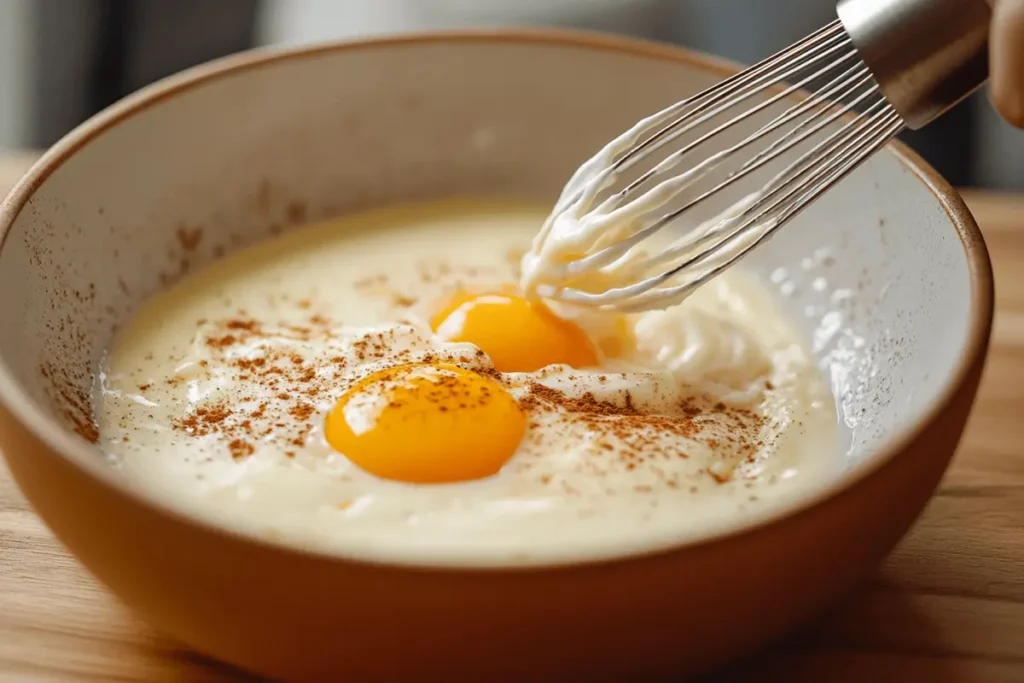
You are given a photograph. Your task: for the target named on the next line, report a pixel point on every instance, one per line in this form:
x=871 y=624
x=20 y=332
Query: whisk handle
x=926 y=55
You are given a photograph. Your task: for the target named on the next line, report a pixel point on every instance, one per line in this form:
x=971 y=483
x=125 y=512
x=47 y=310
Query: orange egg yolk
x=518 y=335
x=426 y=424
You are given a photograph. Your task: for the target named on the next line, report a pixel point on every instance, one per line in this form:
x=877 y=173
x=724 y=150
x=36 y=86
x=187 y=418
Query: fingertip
x=1009 y=104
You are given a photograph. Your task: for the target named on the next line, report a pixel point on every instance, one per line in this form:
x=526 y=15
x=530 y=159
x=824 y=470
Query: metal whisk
x=831 y=101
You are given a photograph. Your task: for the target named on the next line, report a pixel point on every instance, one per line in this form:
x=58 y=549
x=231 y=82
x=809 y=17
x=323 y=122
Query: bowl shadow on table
x=192 y=667
x=844 y=645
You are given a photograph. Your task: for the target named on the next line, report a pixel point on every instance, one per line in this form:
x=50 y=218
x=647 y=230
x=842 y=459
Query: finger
x=1006 y=56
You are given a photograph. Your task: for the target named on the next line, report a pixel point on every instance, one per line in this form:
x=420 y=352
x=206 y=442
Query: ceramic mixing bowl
x=236 y=151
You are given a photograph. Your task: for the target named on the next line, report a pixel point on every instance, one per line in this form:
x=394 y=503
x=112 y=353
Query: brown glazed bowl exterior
x=237 y=150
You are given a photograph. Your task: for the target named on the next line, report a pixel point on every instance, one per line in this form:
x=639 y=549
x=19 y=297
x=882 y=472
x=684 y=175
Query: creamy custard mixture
x=379 y=384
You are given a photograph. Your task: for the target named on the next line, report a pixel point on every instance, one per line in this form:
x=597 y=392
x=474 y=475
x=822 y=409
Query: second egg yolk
x=518 y=335
x=426 y=424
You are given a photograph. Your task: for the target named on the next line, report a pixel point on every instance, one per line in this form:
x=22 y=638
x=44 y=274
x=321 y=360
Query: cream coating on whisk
x=591 y=251
x=816 y=114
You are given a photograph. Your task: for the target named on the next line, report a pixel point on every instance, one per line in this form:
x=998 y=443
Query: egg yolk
x=426 y=424
x=519 y=335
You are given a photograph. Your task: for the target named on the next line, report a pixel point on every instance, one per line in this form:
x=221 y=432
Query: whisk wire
x=806 y=129
x=740 y=118
x=737 y=90
x=844 y=103
x=849 y=156
x=837 y=173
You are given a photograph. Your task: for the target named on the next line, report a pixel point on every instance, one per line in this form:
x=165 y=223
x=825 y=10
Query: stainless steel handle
x=926 y=55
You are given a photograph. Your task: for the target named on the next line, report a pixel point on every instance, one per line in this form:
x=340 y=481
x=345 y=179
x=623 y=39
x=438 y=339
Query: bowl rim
x=83 y=457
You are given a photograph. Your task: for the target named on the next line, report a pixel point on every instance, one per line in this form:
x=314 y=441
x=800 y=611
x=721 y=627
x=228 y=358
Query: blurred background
x=63 y=60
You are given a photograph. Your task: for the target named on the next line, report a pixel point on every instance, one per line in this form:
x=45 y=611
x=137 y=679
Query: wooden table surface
x=947 y=606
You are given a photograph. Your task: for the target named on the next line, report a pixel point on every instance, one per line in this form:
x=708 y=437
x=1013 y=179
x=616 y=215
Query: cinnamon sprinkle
x=241 y=449
x=617 y=425
x=296 y=384
x=728 y=432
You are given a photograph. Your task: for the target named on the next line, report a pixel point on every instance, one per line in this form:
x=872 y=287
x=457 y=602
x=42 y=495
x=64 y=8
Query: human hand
x=1006 y=59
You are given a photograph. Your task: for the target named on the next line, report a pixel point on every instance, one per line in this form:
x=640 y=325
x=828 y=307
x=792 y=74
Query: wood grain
x=947 y=607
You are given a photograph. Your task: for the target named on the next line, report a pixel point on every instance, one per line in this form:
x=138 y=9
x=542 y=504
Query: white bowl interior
x=875 y=271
